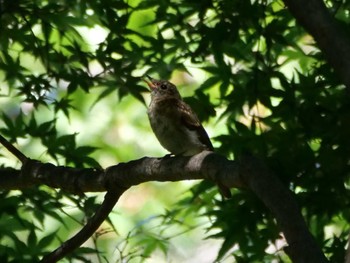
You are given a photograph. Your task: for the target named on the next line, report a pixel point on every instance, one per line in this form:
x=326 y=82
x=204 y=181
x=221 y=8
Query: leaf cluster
x=275 y=97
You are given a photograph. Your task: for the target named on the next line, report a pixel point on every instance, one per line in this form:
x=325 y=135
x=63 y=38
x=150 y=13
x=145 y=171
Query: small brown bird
x=175 y=125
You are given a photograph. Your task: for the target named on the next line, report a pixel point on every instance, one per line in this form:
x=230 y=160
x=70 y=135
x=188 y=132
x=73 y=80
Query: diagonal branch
x=332 y=40
x=302 y=246
x=12 y=149
x=111 y=198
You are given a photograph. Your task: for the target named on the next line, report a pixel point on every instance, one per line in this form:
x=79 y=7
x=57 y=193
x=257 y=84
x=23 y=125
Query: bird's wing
x=188 y=117
x=191 y=121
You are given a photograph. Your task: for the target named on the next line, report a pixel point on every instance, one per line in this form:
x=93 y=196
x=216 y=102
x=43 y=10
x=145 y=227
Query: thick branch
x=248 y=172
x=302 y=246
x=330 y=37
x=205 y=165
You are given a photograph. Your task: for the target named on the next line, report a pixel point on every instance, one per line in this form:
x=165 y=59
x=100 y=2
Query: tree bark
x=248 y=173
x=332 y=40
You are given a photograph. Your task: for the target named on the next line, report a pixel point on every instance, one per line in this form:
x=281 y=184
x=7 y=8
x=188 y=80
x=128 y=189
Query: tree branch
x=347 y=253
x=111 y=198
x=332 y=40
x=12 y=149
x=302 y=247
x=248 y=172
x=125 y=175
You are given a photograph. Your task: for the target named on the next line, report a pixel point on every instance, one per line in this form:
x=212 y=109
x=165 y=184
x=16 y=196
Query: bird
x=175 y=124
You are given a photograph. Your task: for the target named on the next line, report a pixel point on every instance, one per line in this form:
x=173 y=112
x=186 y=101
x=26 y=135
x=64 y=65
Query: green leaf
x=32 y=239
x=46 y=241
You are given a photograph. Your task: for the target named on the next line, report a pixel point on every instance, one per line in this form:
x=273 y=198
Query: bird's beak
x=150 y=83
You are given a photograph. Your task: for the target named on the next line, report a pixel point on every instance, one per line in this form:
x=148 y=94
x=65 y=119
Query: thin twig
x=111 y=198
x=12 y=149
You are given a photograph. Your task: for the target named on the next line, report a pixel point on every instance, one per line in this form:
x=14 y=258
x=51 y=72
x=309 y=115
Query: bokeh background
x=71 y=93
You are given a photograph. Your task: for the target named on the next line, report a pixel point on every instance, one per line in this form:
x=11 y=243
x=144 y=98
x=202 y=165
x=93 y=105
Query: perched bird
x=175 y=125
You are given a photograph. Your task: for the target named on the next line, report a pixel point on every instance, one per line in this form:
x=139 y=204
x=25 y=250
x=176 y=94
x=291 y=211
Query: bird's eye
x=163 y=86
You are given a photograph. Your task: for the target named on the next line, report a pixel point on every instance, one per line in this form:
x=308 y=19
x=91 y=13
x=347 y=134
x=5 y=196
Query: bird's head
x=162 y=88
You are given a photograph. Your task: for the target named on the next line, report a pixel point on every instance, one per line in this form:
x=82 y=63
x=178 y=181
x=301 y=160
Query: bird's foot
x=168 y=156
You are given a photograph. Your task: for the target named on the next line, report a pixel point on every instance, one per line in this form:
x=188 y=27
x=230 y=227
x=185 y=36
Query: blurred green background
x=71 y=94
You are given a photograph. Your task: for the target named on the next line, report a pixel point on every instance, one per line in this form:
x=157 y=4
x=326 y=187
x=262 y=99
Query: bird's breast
x=170 y=131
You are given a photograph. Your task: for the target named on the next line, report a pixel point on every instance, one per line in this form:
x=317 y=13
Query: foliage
x=274 y=94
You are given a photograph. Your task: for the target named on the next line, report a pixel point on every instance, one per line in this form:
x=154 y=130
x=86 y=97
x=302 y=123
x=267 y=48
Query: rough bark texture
x=248 y=173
